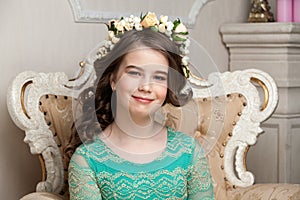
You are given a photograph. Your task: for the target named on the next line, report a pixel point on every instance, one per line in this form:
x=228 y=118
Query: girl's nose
x=145 y=85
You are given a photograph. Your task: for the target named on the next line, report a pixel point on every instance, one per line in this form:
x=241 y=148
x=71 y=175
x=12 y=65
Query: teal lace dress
x=180 y=172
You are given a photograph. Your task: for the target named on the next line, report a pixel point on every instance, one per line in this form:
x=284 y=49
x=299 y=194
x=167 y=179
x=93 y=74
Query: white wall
x=41 y=35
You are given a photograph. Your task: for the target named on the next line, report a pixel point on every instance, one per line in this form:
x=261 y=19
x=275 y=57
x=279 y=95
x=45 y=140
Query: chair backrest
x=225 y=116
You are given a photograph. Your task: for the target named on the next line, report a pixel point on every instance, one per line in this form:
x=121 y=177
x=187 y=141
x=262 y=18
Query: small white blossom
x=162 y=28
x=169 y=26
x=185 y=60
x=119 y=26
x=169 y=33
x=184 y=51
x=107 y=43
x=127 y=26
x=111 y=47
x=111 y=34
x=136 y=20
x=163 y=19
x=138 y=27
x=187 y=42
x=123 y=22
x=115 y=40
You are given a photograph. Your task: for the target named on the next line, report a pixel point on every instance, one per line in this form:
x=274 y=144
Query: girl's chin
x=143 y=112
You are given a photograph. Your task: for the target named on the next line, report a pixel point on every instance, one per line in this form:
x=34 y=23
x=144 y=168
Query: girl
x=130 y=155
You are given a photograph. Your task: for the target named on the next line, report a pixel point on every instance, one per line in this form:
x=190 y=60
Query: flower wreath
x=175 y=30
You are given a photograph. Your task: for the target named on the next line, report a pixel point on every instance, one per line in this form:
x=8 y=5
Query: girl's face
x=141 y=82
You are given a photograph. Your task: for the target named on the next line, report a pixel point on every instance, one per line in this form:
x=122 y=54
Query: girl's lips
x=143 y=99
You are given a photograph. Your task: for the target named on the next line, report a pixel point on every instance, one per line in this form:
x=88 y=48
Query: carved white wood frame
x=247 y=128
x=83 y=15
x=37 y=133
x=40 y=139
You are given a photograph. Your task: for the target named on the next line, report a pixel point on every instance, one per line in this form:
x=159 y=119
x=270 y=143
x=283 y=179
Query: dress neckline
x=170 y=136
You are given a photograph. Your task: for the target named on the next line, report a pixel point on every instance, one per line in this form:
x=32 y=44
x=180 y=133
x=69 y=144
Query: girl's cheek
x=127 y=83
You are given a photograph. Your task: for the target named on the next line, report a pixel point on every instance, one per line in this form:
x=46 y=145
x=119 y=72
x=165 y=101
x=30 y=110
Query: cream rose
x=163 y=19
x=127 y=26
x=180 y=28
x=120 y=26
x=162 y=28
x=149 y=20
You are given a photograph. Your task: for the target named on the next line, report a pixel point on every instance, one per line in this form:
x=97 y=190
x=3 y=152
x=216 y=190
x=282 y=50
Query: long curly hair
x=97 y=112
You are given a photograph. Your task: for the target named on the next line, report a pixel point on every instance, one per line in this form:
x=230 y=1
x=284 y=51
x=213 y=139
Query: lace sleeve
x=200 y=184
x=82 y=180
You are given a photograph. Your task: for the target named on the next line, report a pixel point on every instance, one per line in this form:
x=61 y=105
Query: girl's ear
x=112 y=83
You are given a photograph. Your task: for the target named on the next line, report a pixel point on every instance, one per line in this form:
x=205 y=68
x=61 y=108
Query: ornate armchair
x=228 y=124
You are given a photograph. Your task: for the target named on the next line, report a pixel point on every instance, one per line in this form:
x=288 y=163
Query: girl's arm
x=200 y=185
x=82 y=180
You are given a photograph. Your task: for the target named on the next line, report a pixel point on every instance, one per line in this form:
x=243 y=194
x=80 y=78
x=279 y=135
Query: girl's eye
x=160 y=78
x=134 y=73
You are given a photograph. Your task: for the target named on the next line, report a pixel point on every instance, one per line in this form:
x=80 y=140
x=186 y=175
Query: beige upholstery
x=199 y=118
x=234 y=106
x=59 y=117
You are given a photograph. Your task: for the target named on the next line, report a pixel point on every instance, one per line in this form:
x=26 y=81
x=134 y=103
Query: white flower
x=102 y=52
x=184 y=51
x=115 y=40
x=163 y=19
x=111 y=34
x=169 y=26
x=169 y=33
x=119 y=26
x=138 y=27
x=180 y=28
x=107 y=43
x=123 y=22
x=127 y=26
x=185 y=60
x=111 y=47
x=187 y=42
x=162 y=28
x=136 y=20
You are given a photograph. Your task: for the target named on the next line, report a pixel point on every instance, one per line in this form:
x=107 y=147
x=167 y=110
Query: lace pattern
x=181 y=172
x=82 y=183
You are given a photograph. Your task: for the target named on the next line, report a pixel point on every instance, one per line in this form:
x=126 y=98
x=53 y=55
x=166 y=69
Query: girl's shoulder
x=86 y=148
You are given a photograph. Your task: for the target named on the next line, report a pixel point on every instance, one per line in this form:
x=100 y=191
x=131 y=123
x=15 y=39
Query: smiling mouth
x=142 y=99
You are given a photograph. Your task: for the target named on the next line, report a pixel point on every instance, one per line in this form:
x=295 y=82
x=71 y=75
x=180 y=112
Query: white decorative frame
x=83 y=15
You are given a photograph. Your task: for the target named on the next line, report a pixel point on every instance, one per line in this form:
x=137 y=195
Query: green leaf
x=178 y=38
x=154 y=28
x=176 y=23
x=184 y=33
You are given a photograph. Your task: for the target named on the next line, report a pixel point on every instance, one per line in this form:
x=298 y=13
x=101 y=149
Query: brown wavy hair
x=97 y=111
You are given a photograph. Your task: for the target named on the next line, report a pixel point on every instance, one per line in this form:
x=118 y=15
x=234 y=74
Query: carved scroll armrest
x=247 y=128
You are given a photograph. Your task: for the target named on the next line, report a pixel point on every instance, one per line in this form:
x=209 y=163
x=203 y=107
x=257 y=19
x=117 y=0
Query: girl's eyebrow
x=134 y=67
x=141 y=69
